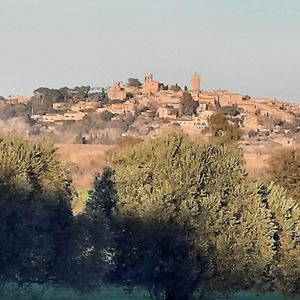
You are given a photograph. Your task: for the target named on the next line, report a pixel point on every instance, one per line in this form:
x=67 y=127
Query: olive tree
x=186 y=218
x=35 y=209
x=284 y=170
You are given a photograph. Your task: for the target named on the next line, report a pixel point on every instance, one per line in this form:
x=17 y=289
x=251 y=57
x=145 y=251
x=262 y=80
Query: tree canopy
x=173 y=215
x=186 y=218
x=221 y=130
x=35 y=209
x=284 y=170
x=134 y=82
x=189 y=106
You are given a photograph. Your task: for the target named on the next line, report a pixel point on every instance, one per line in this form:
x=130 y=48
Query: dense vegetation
x=40 y=240
x=35 y=211
x=284 y=170
x=221 y=131
x=173 y=216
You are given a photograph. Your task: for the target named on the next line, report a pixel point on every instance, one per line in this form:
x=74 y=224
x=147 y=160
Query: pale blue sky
x=248 y=46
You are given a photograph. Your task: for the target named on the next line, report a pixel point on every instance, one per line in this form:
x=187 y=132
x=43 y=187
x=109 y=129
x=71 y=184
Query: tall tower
x=196 y=83
x=148 y=78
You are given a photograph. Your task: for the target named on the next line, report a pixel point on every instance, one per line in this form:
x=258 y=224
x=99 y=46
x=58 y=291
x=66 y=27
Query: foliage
x=175 y=88
x=86 y=256
x=90 y=257
x=81 y=92
x=49 y=95
x=35 y=210
x=106 y=116
x=134 y=82
x=252 y=133
x=189 y=106
x=158 y=187
x=228 y=110
x=15 y=110
x=40 y=240
x=284 y=170
x=103 y=196
x=186 y=217
x=291 y=126
x=221 y=130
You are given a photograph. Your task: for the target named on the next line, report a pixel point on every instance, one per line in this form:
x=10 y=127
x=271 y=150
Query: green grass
x=112 y=293
x=37 y=293
x=80 y=201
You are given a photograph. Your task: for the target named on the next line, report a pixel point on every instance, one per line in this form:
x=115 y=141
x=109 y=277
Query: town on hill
x=87 y=115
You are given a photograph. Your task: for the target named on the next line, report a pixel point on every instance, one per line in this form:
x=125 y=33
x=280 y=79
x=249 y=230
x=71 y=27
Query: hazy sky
x=248 y=46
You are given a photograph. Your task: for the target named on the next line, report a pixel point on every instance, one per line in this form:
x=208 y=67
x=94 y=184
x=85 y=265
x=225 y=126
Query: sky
x=251 y=47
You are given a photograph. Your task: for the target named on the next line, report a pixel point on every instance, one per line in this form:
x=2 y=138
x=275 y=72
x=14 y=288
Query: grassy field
x=79 y=202
x=112 y=293
x=84 y=161
x=38 y=293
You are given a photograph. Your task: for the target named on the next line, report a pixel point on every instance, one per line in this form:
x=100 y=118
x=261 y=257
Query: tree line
x=174 y=216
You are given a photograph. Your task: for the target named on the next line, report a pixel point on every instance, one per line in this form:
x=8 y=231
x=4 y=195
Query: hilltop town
x=148 y=108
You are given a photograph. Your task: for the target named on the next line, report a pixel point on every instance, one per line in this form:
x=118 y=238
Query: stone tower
x=150 y=86
x=148 y=78
x=196 y=83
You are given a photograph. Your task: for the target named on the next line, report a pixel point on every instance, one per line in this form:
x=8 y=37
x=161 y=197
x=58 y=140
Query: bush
x=15 y=110
x=222 y=131
x=106 y=116
x=252 y=133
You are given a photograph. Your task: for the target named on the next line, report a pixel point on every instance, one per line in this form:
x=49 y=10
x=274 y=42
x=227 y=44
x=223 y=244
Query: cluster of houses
x=166 y=102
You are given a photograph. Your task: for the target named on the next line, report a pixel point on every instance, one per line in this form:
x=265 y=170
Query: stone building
x=226 y=98
x=283 y=116
x=117 y=92
x=251 y=122
x=206 y=114
x=51 y=118
x=60 y=106
x=191 y=125
x=167 y=112
x=248 y=107
x=169 y=97
x=84 y=106
x=17 y=100
x=207 y=100
x=150 y=86
x=74 y=116
x=120 y=108
x=196 y=84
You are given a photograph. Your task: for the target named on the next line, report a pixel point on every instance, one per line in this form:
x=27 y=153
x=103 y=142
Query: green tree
x=186 y=218
x=87 y=256
x=134 y=82
x=230 y=110
x=106 y=116
x=40 y=239
x=49 y=96
x=284 y=170
x=189 y=106
x=175 y=88
x=221 y=130
x=103 y=196
x=155 y=195
x=15 y=110
x=35 y=209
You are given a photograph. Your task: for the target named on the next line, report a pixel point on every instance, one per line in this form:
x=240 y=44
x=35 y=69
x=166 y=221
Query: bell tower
x=196 y=83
